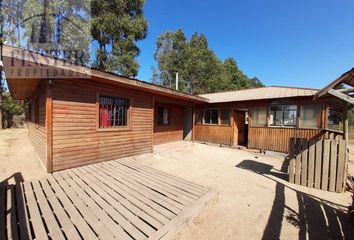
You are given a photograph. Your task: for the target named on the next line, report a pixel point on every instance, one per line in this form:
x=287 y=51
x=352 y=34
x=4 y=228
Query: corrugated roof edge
x=312 y=89
x=115 y=74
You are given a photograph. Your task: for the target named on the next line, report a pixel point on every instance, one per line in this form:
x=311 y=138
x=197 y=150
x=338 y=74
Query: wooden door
x=240 y=129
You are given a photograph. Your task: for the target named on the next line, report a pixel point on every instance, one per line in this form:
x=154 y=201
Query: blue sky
x=304 y=43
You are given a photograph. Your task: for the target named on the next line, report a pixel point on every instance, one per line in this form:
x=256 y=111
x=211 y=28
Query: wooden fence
x=318 y=163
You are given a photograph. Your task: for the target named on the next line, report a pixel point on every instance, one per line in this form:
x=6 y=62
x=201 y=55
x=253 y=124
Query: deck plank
x=65 y=222
x=139 y=191
x=52 y=225
x=108 y=208
x=135 y=197
x=111 y=200
x=36 y=218
x=183 y=182
x=23 y=219
x=146 y=190
x=2 y=211
x=174 y=186
x=96 y=218
x=12 y=226
x=118 y=198
x=75 y=216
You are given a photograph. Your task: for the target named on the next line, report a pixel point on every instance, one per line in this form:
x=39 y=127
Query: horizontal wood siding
x=278 y=139
x=76 y=139
x=37 y=131
x=213 y=134
x=173 y=131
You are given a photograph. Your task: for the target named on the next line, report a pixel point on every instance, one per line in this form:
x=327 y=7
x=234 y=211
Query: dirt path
x=255 y=202
x=17 y=156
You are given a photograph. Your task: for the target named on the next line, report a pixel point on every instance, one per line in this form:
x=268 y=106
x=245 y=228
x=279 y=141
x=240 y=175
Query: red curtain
x=104 y=116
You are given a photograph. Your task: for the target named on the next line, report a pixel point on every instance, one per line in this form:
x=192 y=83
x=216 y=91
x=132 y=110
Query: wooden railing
x=318 y=163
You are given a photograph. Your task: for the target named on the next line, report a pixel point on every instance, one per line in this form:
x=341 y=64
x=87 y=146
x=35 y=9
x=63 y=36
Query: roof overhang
x=344 y=94
x=25 y=69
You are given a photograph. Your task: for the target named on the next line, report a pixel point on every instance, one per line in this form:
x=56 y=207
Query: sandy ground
x=254 y=202
x=17 y=157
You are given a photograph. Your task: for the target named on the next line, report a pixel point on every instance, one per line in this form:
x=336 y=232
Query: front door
x=240 y=129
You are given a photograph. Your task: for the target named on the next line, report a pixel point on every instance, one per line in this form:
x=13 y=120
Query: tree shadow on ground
x=13 y=224
x=316 y=218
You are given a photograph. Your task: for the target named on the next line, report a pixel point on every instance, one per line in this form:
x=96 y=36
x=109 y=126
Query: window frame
x=211 y=124
x=319 y=117
x=168 y=117
x=251 y=117
x=229 y=117
x=198 y=115
x=128 y=127
x=282 y=117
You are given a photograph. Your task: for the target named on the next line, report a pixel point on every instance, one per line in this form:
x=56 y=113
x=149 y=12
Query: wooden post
x=49 y=126
x=193 y=123
x=153 y=122
x=345 y=124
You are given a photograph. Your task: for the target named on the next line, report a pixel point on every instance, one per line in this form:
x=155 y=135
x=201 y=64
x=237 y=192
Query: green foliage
x=45 y=26
x=10 y=106
x=200 y=70
x=9 y=109
x=117 y=26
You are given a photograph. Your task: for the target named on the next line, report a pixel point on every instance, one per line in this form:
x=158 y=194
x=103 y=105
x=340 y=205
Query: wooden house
x=78 y=115
x=261 y=118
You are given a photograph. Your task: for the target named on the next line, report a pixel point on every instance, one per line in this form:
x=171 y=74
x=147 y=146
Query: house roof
x=22 y=87
x=273 y=92
x=330 y=89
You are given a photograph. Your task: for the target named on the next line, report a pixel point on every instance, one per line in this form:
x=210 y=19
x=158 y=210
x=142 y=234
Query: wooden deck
x=111 y=200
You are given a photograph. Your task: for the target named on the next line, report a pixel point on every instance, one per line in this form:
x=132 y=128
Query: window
x=198 y=116
x=246 y=118
x=334 y=119
x=225 y=117
x=310 y=115
x=259 y=117
x=113 y=112
x=36 y=110
x=282 y=115
x=163 y=116
x=211 y=116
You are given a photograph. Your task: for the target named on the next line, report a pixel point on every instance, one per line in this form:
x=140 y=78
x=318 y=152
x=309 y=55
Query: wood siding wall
x=278 y=139
x=76 y=139
x=37 y=131
x=173 y=131
x=214 y=134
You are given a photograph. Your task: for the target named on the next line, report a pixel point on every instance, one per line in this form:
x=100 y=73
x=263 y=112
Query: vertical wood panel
x=214 y=134
x=333 y=166
x=304 y=157
x=320 y=169
x=292 y=161
x=325 y=164
x=278 y=139
x=341 y=167
x=298 y=162
x=318 y=164
x=311 y=164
